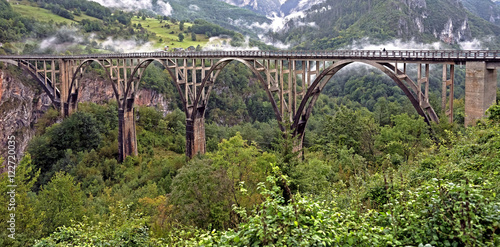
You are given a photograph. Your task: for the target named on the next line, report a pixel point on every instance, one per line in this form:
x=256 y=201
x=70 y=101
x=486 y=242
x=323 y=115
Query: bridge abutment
x=127 y=139
x=480 y=90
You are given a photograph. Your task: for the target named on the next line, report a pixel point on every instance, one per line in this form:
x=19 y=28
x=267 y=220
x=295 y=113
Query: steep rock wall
x=20 y=106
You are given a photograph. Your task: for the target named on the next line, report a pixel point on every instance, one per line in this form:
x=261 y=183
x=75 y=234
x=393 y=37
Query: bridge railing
x=451 y=55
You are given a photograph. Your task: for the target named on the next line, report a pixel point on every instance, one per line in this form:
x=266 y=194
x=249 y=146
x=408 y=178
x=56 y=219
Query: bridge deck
x=426 y=56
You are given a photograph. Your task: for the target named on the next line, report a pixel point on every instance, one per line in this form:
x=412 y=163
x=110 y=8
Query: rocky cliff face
x=22 y=103
x=20 y=106
x=94 y=89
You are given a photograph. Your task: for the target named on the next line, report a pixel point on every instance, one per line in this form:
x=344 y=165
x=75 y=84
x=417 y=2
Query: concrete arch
x=78 y=71
x=137 y=75
x=312 y=94
x=217 y=68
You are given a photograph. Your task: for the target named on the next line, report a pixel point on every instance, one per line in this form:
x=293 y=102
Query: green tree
x=26 y=218
x=193 y=36
x=181 y=37
x=245 y=164
x=202 y=196
x=181 y=26
x=408 y=136
x=59 y=202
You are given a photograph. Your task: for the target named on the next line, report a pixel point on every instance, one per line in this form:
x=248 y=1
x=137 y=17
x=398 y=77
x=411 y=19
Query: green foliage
x=349 y=23
x=120 y=228
x=60 y=202
x=408 y=137
x=218 y=13
x=27 y=219
x=359 y=134
x=442 y=213
x=13 y=26
x=202 y=196
x=80 y=132
x=245 y=165
x=494 y=113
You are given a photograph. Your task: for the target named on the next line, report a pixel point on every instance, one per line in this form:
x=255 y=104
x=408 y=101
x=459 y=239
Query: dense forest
x=341 y=24
x=370 y=175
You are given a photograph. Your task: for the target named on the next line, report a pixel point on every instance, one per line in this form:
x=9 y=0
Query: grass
x=153 y=25
x=24 y=8
x=172 y=40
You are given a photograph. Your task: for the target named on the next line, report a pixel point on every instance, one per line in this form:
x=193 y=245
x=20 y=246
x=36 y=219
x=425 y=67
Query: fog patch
x=366 y=44
x=474 y=44
x=64 y=38
x=224 y=44
x=278 y=21
x=126 y=46
x=277 y=44
x=194 y=7
x=164 y=8
x=161 y=7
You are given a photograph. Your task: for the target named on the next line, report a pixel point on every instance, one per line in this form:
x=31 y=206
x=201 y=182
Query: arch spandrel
x=79 y=72
x=213 y=73
x=305 y=109
x=138 y=72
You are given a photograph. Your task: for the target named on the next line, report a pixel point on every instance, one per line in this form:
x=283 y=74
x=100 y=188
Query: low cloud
x=224 y=44
x=126 y=46
x=366 y=44
x=162 y=7
x=194 y=7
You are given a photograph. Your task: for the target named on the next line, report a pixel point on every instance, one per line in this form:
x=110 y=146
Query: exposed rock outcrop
x=20 y=106
x=96 y=90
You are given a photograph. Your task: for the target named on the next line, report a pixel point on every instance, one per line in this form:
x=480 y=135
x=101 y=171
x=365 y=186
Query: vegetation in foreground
x=384 y=186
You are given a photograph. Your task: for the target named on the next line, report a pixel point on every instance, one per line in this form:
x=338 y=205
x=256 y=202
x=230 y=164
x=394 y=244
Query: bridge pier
x=480 y=90
x=72 y=106
x=195 y=136
x=127 y=139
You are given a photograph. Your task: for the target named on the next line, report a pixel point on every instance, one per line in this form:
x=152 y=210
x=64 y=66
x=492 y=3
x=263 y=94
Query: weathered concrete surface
x=127 y=138
x=480 y=90
x=195 y=137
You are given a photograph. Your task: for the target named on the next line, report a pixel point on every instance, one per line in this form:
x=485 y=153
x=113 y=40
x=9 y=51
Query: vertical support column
x=448 y=110
x=195 y=136
x=73 y=94
x=480 y=90
x=64 y=74
x=127 y=139
x=423 y=97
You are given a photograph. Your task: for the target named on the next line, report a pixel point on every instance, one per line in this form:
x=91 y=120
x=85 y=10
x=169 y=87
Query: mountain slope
x=337 y=23
x=264 y=7
x=215 y=11
x=485 y=9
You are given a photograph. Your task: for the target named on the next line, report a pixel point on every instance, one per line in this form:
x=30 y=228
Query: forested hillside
x=372 y=172
x=368 y=177
x=339 y=24
x=83 y=27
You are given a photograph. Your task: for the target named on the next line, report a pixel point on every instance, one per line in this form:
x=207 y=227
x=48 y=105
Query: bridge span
x=293 y=81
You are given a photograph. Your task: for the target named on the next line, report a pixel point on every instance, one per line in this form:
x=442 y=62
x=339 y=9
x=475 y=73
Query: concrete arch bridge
x=293 y=80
